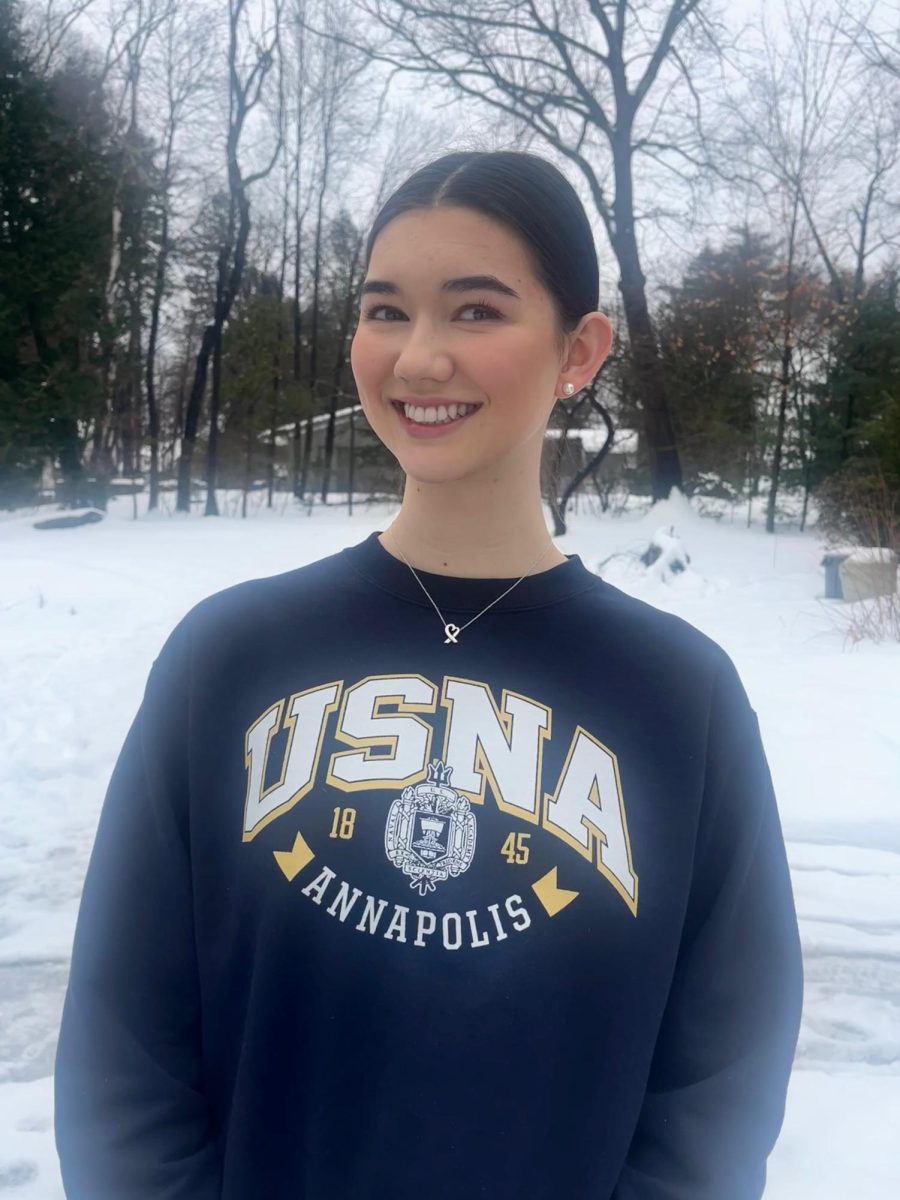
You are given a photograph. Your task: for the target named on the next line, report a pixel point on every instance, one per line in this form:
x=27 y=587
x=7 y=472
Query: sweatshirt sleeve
x=715 y=1097
x=131 y=1118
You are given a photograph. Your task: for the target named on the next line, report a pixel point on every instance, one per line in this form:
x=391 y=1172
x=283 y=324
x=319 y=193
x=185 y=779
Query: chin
x=435 y=472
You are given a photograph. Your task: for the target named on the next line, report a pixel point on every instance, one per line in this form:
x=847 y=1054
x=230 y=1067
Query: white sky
x=667 y=243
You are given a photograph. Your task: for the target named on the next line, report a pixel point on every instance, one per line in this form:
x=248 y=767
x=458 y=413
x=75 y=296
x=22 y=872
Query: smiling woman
x=479 y=310
x=439 y=867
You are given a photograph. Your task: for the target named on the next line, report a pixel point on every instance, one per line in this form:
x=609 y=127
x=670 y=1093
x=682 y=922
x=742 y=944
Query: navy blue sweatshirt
x=378 y=912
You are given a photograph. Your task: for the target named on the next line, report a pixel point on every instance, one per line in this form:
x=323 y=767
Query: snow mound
x=666 y=555
x=674 y=511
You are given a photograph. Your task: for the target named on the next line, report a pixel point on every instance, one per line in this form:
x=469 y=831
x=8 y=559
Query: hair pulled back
x=528 y=195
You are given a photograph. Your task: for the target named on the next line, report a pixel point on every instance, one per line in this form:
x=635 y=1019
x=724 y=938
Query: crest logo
x=430 y=831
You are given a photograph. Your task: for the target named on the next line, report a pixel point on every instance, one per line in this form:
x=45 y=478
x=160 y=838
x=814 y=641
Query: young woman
x=439 y=867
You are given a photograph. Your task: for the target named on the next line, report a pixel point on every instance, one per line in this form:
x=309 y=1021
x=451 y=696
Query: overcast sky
x=666 y=242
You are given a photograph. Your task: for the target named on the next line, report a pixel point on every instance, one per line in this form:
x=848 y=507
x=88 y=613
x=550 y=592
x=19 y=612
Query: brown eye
x=483 y=312
x=383 y=312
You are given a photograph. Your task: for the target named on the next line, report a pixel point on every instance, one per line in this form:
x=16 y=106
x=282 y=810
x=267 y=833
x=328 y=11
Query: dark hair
x=531 y=197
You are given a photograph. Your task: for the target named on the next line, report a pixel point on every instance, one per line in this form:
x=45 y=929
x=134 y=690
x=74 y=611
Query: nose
x=422 y=356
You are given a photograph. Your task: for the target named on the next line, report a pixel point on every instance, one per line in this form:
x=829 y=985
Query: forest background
x=186 y=188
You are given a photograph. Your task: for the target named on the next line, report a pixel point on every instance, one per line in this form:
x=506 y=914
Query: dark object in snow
x=88 y=517
x=666 y=546
x=831 y=563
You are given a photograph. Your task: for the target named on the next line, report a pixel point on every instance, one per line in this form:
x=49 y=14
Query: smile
x=433 y=417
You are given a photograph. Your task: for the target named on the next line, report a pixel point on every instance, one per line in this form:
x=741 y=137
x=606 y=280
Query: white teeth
x=439 y=415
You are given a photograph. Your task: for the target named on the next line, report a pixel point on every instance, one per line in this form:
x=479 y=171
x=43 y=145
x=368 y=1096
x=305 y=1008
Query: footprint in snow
x=17 y=1174
x=33 y=1124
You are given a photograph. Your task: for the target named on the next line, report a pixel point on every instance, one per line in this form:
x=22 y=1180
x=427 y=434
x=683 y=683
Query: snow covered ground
x=84 y=611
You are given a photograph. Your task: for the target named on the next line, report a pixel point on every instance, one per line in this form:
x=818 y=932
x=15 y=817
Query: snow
x=594 y=437
x=870 y=554
x=665 y=556
x=84 y=611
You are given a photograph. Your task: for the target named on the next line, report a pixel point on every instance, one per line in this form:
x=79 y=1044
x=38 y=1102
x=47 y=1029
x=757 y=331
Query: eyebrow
x=466 y=283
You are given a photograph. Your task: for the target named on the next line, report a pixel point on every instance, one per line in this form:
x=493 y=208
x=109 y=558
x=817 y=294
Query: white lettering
x=362 y=724
x=315 y=889
x=495 y=913
x=477 y=938
x=587 y=811
x=398 y=924
x=341 y=899
x=424 y=917
x=368 y=922
x=452 y=918
x=307 y=713
x=517 y=911
x=505 y=748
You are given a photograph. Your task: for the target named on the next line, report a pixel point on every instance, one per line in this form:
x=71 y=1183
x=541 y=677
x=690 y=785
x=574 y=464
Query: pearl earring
x=569 y=388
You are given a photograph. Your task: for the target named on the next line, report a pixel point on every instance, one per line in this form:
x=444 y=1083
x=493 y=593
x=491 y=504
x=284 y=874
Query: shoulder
x=301 y=584
x=226 y=616
x=670 y=669
x=649 y=635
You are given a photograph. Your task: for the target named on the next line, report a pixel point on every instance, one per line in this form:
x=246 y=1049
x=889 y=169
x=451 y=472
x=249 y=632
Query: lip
x=429 y=431
x=430 y=401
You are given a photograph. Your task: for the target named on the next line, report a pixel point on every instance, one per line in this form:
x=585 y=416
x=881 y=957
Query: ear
x=588 y=347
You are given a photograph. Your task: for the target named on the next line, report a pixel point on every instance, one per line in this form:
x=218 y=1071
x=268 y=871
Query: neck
x=489 y=529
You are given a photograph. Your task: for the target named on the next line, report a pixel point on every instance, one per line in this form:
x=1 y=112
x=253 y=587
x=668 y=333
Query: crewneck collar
x=453 y=593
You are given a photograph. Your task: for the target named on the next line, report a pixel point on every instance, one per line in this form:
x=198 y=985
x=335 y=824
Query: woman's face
x=452 y=313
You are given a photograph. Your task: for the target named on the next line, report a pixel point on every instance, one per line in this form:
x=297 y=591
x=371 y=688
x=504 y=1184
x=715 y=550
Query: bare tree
x=568 y=417
x=821 y=145
x=812 y=120
x=183 y=82
x=879 y=47
x=246 y=81
x=337 y=102
x=409 y=134
x=598 y=82
x=300 y=205
x=277 y=374
x=52 y=23
x=131 y=25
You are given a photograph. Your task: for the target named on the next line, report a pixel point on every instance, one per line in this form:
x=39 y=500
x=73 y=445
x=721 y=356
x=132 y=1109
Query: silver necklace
x=452 y=631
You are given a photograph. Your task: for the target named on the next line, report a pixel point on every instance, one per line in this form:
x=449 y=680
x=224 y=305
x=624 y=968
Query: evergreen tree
x=54 y=206
x=714 y=331
x=858 y=416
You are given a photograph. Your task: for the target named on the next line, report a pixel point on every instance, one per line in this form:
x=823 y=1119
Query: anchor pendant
x=452 y=632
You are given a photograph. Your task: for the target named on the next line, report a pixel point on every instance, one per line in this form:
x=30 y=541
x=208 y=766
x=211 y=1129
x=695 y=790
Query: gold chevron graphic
x=551 y=895
x=294 y=860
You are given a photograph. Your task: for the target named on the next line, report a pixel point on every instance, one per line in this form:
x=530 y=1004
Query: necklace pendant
x=452 y=632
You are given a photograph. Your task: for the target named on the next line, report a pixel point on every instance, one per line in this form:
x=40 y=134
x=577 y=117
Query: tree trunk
x=314 y=322
x=230 y=269
x=784 y=376
x=182 y=386
x=659 y=433
x=337 y=369
x=297 y=371
x=231 y=282
x=307 y=455
x=152 y=408
x=159 y=285
x=847 y=427
x=351 y=463
x=212 y=456
x=296 y=482
x=248 y=469
x=276 y=399
x=192 y=419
